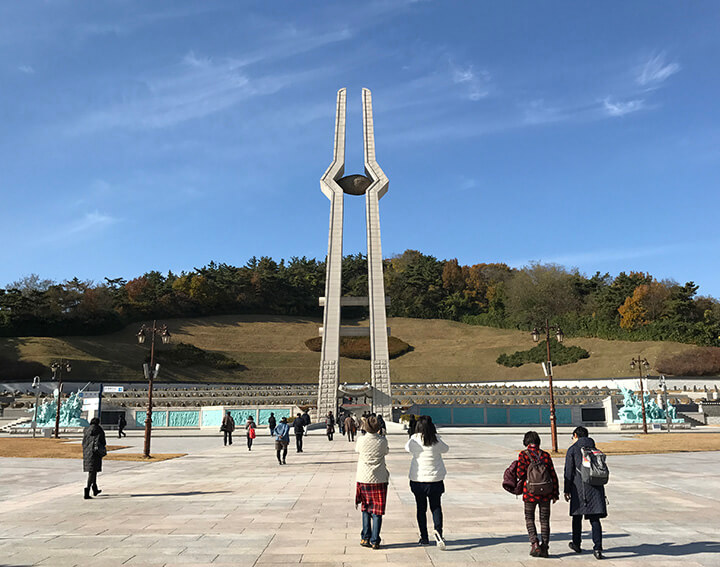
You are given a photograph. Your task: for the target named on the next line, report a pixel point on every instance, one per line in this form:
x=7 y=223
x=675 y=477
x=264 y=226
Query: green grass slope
x=273 y=351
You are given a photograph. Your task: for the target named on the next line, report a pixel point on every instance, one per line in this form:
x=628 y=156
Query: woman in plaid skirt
x=372 y=482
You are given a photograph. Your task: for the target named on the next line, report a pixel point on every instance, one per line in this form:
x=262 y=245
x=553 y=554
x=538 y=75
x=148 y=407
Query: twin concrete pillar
x=334 y=185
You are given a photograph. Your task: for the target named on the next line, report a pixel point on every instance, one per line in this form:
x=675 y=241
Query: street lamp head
x=165 y=335
x=559 y=335
x=646 y=364
x=632 y=365
x=535 y=335
x=68 y=368
x=141 y=335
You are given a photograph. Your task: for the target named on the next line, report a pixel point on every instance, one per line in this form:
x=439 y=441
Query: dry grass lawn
x=273 y=350
x=66 y=449
x=658 y=443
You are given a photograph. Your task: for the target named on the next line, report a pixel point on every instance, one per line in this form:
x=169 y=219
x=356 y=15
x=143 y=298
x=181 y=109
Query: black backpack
x=593 y=469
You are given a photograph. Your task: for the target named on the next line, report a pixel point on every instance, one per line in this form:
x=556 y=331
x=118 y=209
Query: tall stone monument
x=334 y=185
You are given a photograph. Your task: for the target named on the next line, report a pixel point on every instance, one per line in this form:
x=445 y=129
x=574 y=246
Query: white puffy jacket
x=427 y=463
x=371 y=467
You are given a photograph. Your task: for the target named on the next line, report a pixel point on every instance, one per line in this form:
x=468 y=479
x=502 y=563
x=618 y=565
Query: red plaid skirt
x=372 y=497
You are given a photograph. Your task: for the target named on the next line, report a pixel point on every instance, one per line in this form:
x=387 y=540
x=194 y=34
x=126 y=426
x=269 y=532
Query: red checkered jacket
x=524 y=463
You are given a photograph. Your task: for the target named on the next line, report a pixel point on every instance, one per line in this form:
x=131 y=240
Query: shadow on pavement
x=667 y=548
x=556 y=539
x=192 y=493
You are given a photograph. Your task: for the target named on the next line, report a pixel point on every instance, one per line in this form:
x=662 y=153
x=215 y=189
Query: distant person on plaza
x=250 y=431
x=427 y=473
x=350 y=427
x=330 y=425
x=341 y=422
x=122 y=424
x=372 y=482
x=411 y=425
x=306 y=420
x=585 y=499
x=272 y=423
x=94 y=449
x=282 y=440
x=532 y=500
x=227 y=427
x=299 y=428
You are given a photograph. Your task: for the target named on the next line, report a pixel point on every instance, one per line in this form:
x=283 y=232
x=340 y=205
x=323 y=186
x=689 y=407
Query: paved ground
x=228 y=506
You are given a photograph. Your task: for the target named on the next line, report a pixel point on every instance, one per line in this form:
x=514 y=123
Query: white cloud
x=621 y=108
x=27 y=69
x=90 y=221
x=655 y=71
x=476 y=83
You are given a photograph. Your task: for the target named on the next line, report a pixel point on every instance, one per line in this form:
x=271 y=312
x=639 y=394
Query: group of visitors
x=534 y=475
x=228 y=426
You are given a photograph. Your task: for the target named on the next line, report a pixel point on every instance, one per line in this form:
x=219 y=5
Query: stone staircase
x=6 y=425
x=694 y=418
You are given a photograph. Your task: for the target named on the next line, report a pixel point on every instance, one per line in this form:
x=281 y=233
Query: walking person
x=350 y=427
x=272 y=423
x=383 y=427
x=299 y=428
x=122 y=424
x=540 y=488
x=250 y=431
x=427 y=473
x=371 y=482
x=330 y=425
x=306 y=420
x=282 y=440
x=227 y=427
x=341 y=423
x=94 y=449
x=585 y=499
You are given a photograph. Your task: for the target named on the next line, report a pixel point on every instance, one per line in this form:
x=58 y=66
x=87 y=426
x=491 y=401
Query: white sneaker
x=439 y=540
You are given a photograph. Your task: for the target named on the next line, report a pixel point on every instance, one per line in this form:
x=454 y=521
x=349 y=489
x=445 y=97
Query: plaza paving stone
x=223 y=506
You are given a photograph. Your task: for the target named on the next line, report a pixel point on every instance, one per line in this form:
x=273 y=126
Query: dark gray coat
x=585 y=500
x=91 y=461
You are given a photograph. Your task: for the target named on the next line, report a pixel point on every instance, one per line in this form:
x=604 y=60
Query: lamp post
x=36 y=387
x=57 y=368
x=559 y=335
x=641 y=363
x=151 y=371
x=663 y=384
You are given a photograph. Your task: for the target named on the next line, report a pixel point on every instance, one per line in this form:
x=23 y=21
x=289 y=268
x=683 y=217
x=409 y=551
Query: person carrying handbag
x=250 y=431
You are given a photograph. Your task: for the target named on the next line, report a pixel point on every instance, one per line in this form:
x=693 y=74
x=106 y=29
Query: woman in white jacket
x=372 y=482
x=427 y=472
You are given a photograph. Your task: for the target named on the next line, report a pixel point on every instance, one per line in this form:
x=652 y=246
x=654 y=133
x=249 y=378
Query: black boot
x=87 y=494
x=95 y=490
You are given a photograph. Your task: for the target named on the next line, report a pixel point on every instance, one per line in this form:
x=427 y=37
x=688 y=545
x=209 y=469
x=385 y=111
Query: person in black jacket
x=299 y=428
x=272 y=423
x=122 y=424
x=585 y=499
x=94 y=449
x=411 y=425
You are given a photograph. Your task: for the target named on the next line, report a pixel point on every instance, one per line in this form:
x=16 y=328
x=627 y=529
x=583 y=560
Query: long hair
x=426 y=428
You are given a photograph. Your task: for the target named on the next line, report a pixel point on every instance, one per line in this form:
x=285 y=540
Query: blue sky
x=163 y=135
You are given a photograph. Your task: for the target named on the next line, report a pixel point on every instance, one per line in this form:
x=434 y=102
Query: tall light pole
x=57 y=368
x=663 y=384
x=151 y=371
x=641 y=364
x=36 y=387
x=559 y=335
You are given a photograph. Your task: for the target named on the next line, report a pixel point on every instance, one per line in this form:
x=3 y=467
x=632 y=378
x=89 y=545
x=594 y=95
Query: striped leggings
x=544 y=521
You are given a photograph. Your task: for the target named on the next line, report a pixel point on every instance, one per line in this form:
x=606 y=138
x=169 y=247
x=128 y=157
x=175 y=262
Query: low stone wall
x=498 y=415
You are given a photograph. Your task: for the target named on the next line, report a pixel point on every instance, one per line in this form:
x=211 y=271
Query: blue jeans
x=372 y=534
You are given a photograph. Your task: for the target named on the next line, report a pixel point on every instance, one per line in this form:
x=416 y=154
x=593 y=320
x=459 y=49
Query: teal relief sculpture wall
x=184 y=419
x=240 y=416
x=159 y=418
x=264 y=414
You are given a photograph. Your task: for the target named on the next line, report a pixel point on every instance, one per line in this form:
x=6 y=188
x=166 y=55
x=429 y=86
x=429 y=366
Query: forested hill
x=629 y=306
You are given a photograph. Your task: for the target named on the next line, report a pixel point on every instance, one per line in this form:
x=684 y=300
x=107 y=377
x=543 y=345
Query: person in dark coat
x=585 y=500
x=122 y=424
x=94 y=449
x=272 y=423
x=330 y=425
x=299 y=428
x=306 y=420
x=227 y=427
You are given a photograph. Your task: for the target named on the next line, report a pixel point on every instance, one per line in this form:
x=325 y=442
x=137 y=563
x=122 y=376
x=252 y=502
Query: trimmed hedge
x=183 y=354
x=359 y=347
x=559 y=354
